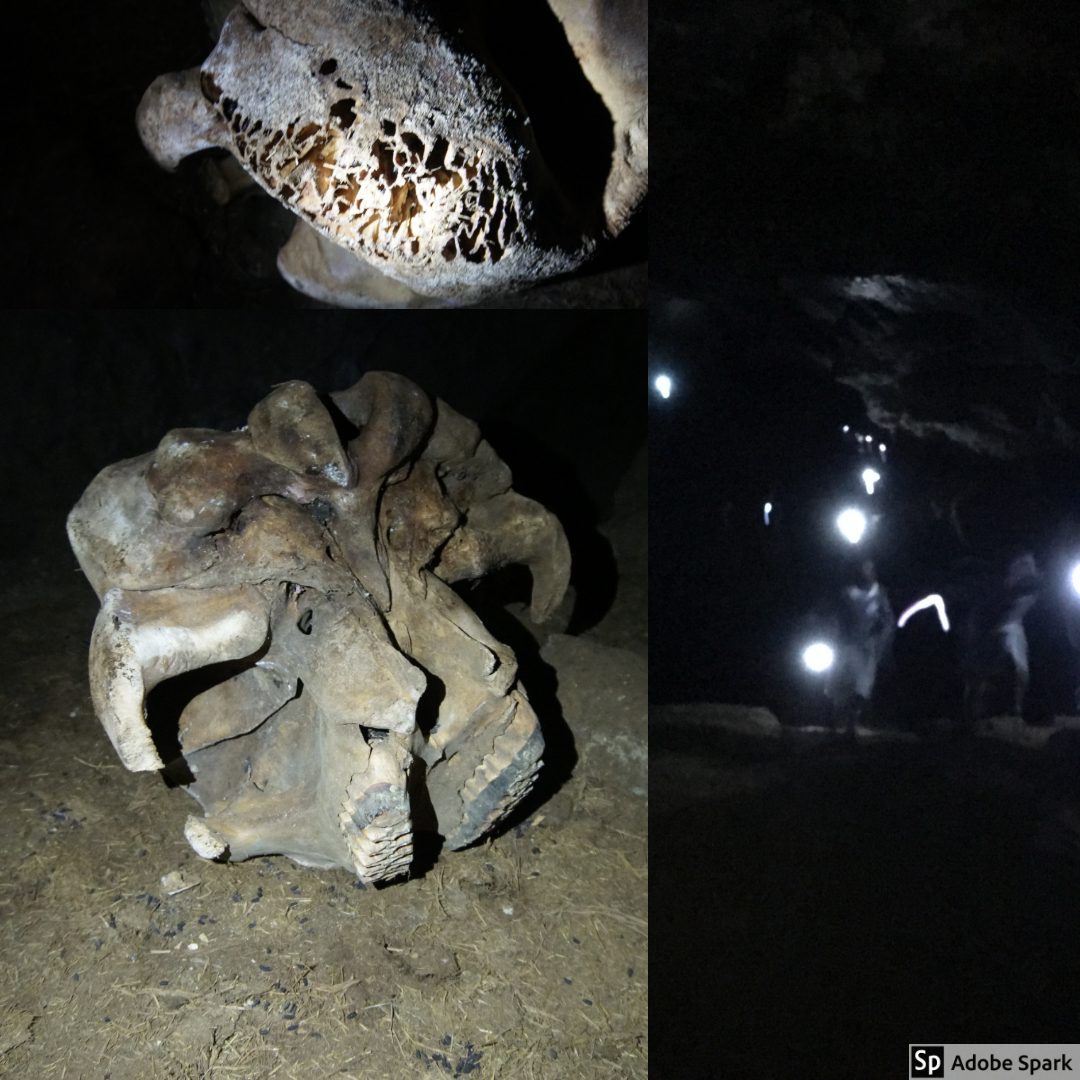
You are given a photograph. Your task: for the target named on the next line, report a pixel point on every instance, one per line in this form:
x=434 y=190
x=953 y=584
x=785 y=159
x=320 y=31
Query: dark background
x=931 y=138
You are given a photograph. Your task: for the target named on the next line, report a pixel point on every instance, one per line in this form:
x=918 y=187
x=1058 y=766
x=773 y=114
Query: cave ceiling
x=947 y=359
x=898 y=184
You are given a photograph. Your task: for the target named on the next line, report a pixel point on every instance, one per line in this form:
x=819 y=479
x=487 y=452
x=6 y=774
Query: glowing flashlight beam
x=870 y=477
x=934 y=601
x=663 y=385
x=1074 y=579
x=852 y=523
x=818 y=657
x=768 y=511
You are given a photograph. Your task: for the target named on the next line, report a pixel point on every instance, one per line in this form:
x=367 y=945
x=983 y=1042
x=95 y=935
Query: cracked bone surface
x=410 y=163
x=278 y=629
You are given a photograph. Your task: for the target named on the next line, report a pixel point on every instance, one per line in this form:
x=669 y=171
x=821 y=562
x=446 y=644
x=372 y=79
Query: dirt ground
x=823 y=903
x=525 y=955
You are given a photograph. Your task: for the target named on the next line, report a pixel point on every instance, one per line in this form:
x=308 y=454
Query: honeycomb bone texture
x=384 y=135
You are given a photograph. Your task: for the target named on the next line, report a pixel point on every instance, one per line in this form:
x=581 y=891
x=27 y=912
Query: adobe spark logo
x=928 y=1061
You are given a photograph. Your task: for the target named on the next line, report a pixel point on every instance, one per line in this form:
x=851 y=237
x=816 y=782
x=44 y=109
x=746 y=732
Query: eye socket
x=303 y=624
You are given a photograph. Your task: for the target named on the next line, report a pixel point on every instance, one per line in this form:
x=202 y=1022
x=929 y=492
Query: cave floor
x=822 y=904
x=525 y=955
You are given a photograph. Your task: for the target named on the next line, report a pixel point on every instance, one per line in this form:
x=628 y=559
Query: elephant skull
x=277 y=625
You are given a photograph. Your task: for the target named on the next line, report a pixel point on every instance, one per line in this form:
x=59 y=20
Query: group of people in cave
x=989 y=608
x=983 y=607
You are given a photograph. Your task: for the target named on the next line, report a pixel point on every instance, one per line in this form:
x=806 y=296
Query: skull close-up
x=404 y=146
x=278 y=631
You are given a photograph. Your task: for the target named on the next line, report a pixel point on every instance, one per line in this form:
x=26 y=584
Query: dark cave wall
x=742 y=426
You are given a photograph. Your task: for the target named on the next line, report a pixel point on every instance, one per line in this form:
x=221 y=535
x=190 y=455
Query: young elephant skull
x=293 y=577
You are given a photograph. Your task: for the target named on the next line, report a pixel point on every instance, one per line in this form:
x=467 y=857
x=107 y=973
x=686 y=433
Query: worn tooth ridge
x=377 y=827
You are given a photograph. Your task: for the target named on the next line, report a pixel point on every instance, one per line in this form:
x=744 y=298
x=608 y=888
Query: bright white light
x=852 y=523
x=1074 y=579
x=818 y=657
x=846 y=429
x=934 y=601
x=870 y=478
x=881 y=447
x=869 y=438
x=768 y=511
x=663 y=384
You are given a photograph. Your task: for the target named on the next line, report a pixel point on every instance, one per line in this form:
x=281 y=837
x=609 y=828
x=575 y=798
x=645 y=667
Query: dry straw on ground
x=524 y=956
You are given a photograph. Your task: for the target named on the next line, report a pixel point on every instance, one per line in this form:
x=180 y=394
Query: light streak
x=934 y=601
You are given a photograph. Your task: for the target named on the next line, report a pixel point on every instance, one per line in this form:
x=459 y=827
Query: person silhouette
x=866 y=627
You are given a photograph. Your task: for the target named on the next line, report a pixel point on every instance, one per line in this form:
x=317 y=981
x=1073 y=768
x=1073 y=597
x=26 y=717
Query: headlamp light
x=818 y=657
x=852 y=524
